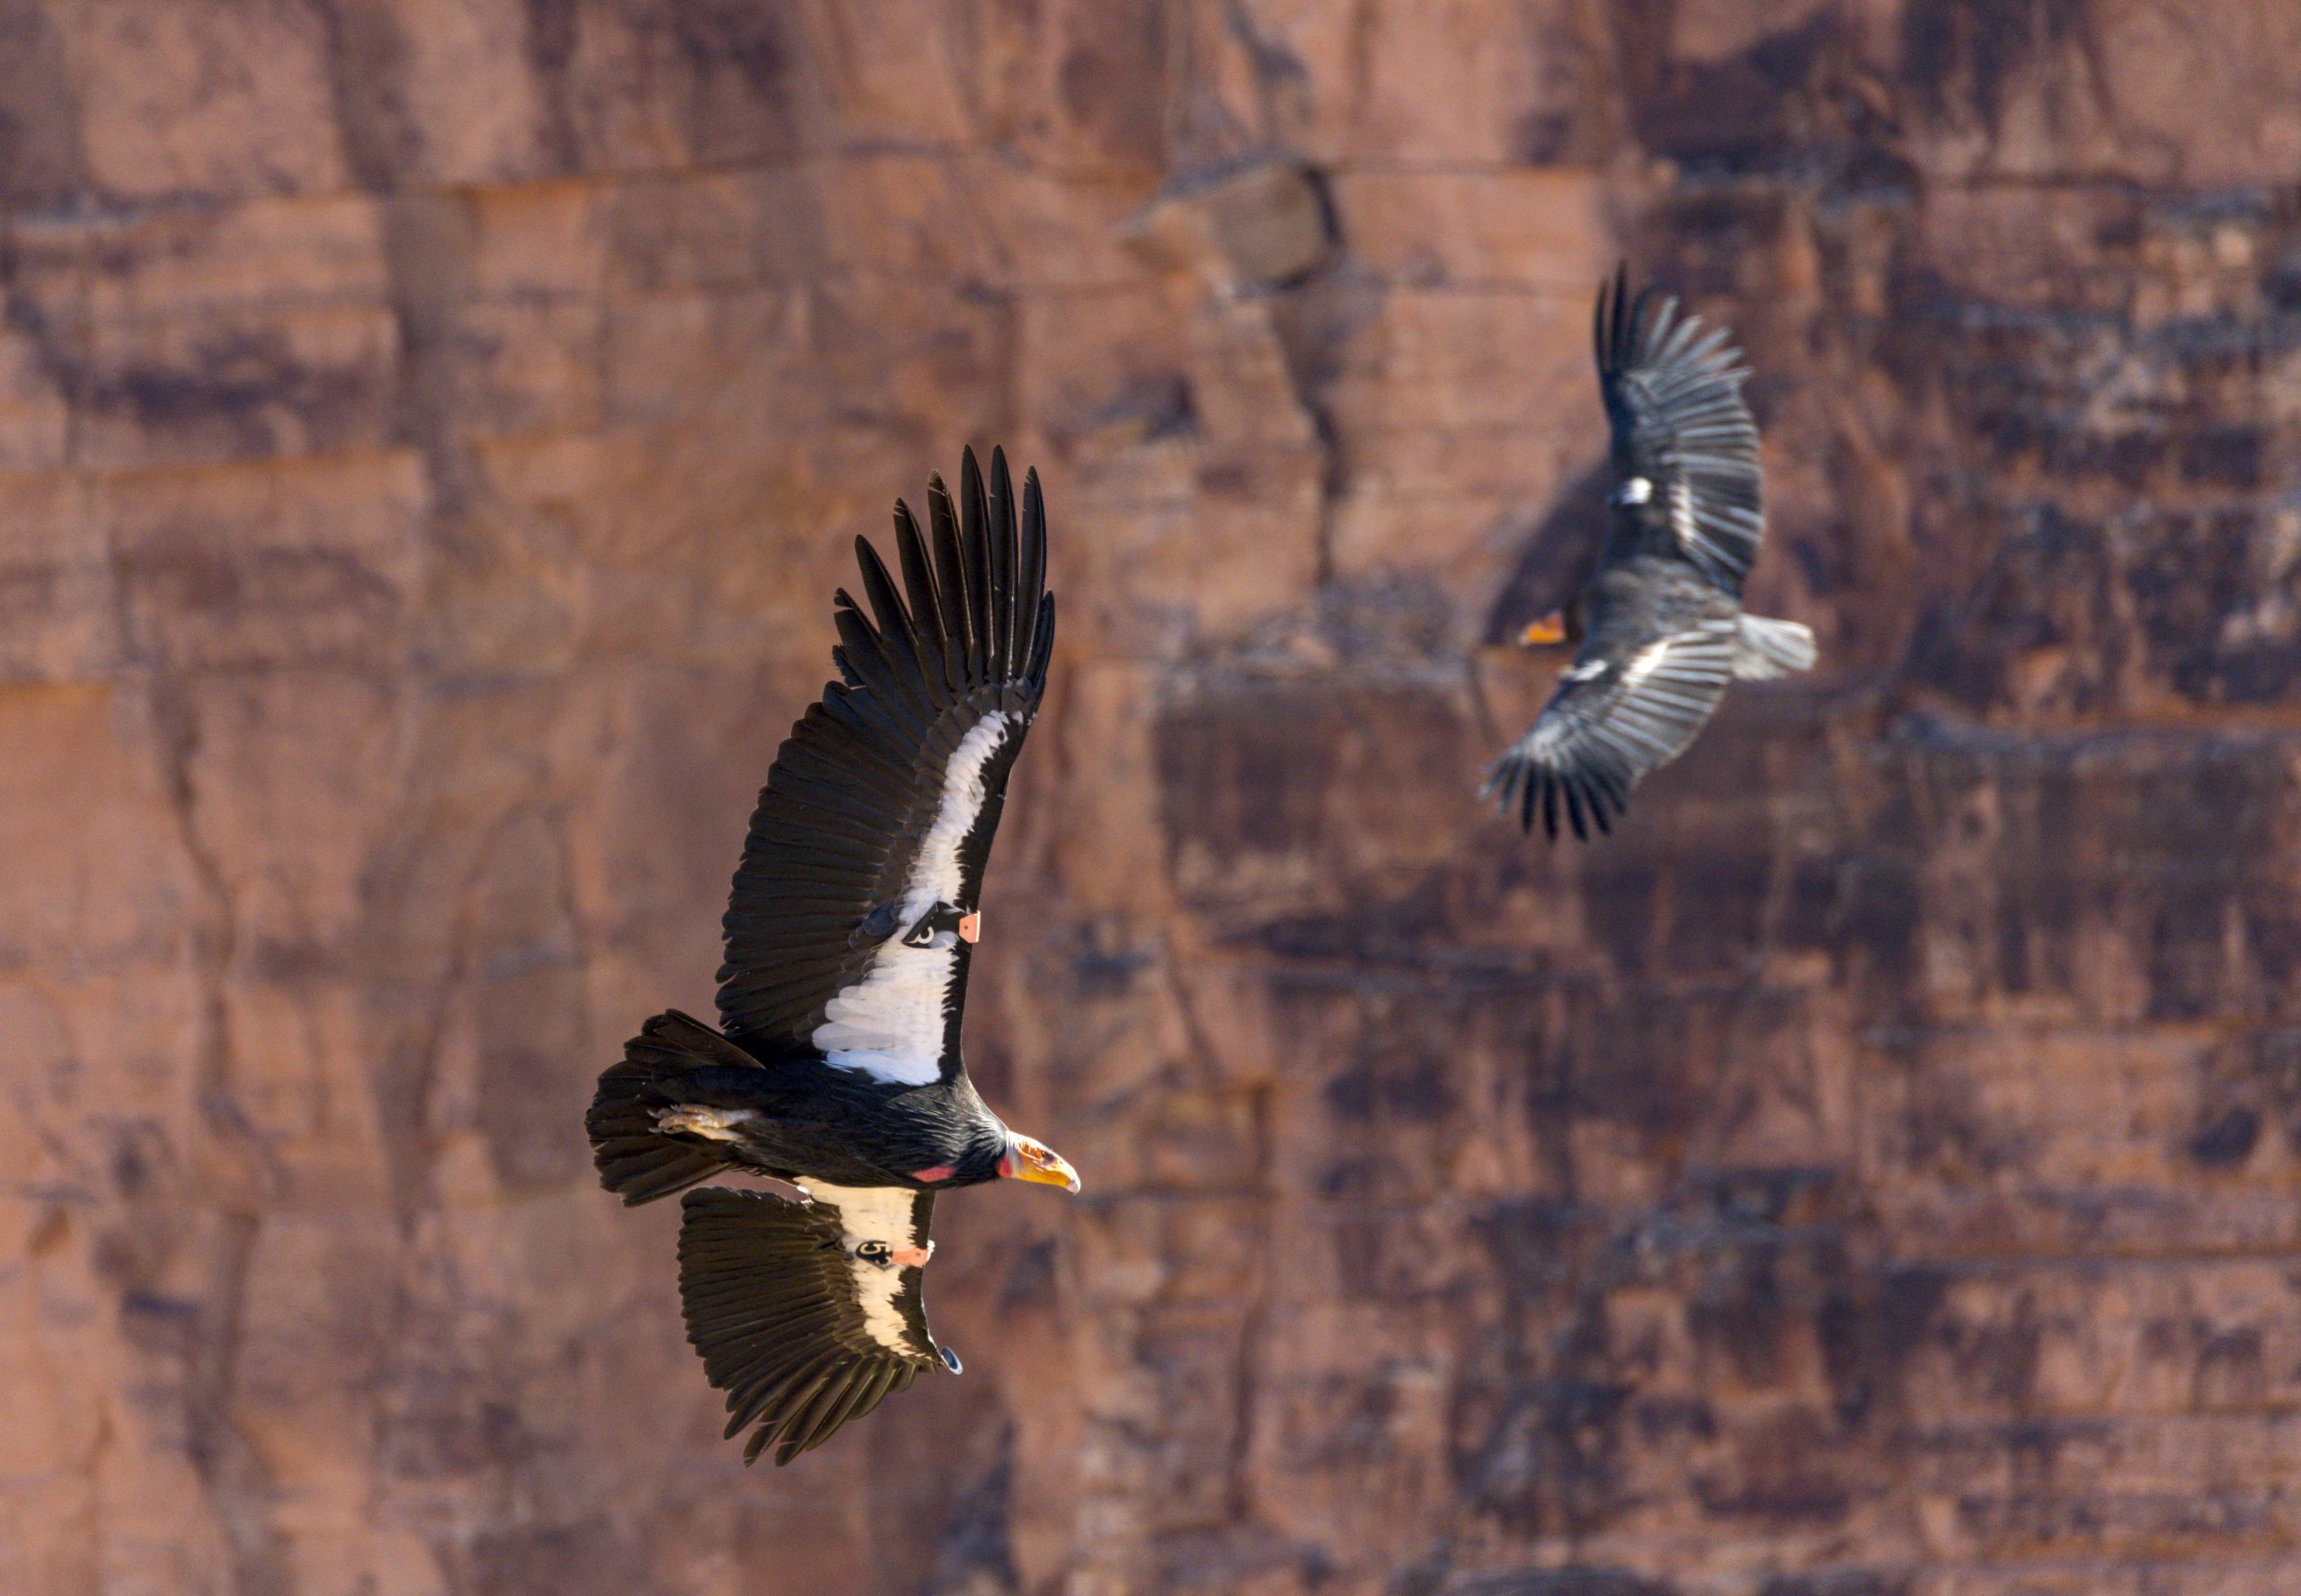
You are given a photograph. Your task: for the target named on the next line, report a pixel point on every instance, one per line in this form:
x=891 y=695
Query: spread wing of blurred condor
x=1659 y=631
x=853 y=918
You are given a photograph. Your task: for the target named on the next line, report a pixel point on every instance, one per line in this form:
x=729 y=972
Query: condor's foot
x=715 y=1125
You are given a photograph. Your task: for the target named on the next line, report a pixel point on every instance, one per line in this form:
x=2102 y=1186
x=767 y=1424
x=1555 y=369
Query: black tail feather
x=637 y=1162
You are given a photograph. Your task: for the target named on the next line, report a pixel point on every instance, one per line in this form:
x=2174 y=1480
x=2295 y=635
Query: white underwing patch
x=889 y=1023
x=1642 y=663
x=866 y=1214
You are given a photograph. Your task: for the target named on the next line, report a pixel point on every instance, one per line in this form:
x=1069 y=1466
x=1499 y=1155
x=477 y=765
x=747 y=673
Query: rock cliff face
x=430 y=430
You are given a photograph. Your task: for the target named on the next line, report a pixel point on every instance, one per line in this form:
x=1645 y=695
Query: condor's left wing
x=808 y=1314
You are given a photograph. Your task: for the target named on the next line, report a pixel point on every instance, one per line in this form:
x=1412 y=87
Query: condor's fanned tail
x=636 y=1161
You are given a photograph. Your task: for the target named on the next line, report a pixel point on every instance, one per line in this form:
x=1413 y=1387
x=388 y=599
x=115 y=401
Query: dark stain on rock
x=722 y=69
x=2047 y=595
x=1550 y=1459
x=588 y=1558
x=1619 y=890
x=1673 y=1422
x=1879 y=909
x=1148 y=406
x=1802 y=104
x=1740 y=1309
x=1961 y=57
x=1245 y=771
x=2227 y=1138
x=2232 y=1370
x=1390 y=1085
x=1113 y=82
x=1780 y=1477
x=246 y=392
x=158 y=1325
x=2244 y=1087
x=1720 y=893
x=734 y=33
x=2234 y=456
x=1647 y=1064
x=1726 y=115
x=2186 y=958
x=1256 y=774
x=1576 y=1580
x=1102 y=964
x=1870 y=1331
x=449 y=1429
x=1413 y=927
x=40 y=122
x=2220 y=611
x=1839 y=1581
x=1538 y=1244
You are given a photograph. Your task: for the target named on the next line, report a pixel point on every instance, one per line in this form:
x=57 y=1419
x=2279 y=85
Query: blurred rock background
x=430 y=432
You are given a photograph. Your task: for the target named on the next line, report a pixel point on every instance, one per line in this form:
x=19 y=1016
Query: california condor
x=1659 y=628
x=836 y=1065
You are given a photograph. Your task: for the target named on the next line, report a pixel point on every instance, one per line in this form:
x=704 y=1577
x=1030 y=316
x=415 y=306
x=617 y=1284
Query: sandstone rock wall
x=430 y=430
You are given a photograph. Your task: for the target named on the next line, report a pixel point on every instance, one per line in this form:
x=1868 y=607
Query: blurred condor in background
x=1659 y=630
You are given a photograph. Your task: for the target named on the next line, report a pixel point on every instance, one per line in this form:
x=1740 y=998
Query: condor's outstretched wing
x=868 y=843
x=1685 y=448
x=1615 y=715
x=805 y=1313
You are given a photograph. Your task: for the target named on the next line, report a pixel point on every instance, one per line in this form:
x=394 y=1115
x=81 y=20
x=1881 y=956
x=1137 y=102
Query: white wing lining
x=889 y=1023
x=880 y=1214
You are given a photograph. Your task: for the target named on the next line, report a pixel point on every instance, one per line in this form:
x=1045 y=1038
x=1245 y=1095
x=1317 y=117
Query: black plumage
x=1660 y=629
x=768 y=1287
x=849 y=932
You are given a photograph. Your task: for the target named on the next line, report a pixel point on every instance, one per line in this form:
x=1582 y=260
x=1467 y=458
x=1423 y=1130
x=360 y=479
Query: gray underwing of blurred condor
x=1659 y=631
x=836 y=1064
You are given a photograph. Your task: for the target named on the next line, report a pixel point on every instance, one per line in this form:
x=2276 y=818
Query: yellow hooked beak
x=1546 y=632
x=1031 y=1160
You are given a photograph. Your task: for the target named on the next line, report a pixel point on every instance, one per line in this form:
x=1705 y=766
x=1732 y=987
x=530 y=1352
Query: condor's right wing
x=846 y=929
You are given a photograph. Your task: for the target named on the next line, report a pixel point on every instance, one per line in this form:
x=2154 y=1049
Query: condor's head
x=1026 y=1158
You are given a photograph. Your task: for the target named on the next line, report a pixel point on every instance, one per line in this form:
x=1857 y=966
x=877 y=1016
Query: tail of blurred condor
x=637 y=1162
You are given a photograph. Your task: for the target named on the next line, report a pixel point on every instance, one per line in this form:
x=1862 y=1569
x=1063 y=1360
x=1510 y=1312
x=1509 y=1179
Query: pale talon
x=689 y=1120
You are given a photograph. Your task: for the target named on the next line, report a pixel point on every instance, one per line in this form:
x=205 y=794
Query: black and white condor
x=848 y=932
x=1660 y=629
